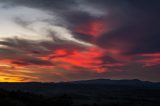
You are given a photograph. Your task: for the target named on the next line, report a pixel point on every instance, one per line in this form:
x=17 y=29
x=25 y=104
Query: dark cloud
x=138 y=30
x=43 y=4
x=31 y=61
x=138 y=37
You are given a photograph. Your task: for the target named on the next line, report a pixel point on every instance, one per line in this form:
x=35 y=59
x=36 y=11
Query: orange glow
x=9 y=63
x=61 y=52
x=10 y=79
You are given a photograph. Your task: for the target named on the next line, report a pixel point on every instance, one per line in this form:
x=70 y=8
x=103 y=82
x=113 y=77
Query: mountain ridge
x=90 y=81
x=81 y=86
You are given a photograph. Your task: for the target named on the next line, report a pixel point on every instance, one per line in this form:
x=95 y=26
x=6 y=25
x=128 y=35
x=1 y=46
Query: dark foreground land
x=100 y=92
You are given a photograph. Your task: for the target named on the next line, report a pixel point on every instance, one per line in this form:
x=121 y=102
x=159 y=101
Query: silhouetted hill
x=100 y=83
x=82 y=85
x=115 y=82
x=104 y=92
x=18 y=98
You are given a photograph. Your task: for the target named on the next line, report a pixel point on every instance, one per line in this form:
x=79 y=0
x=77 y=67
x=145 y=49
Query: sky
x=66 y=40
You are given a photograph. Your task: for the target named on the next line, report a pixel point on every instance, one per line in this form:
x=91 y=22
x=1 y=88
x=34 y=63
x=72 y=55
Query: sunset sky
x=65 y=40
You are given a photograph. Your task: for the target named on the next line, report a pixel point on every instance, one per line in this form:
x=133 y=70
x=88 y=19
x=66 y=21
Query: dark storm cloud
x=138 y=29
x=69 y=10
x=141 y=32
x=57 y=4
x=133 y=39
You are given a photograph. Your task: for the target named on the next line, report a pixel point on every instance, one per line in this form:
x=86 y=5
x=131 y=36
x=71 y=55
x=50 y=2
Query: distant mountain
x=115 y=82
x=95 y=85
x=119 y=83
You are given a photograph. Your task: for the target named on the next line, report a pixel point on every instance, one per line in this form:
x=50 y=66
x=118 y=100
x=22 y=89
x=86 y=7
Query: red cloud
x=151 y=59
x=88 y=59
x=93 y=28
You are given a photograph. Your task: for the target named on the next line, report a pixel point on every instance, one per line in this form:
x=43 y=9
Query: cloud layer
x=55 y=40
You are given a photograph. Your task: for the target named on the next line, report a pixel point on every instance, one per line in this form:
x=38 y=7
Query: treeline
x=18 y=98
